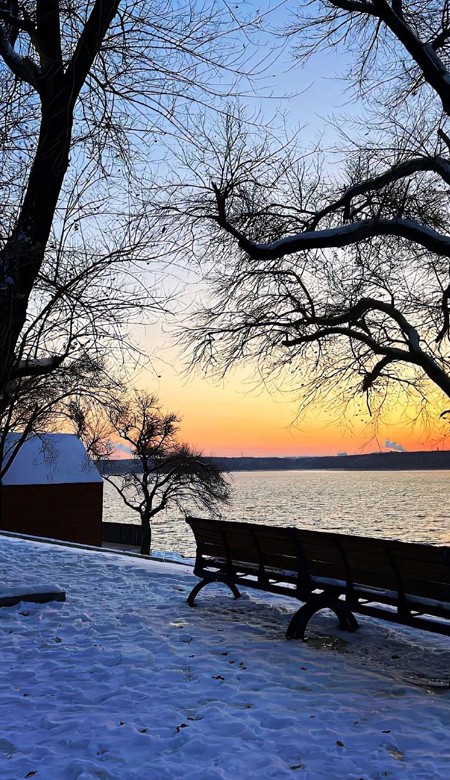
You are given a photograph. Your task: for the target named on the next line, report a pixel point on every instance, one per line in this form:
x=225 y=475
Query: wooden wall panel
x=70 y=512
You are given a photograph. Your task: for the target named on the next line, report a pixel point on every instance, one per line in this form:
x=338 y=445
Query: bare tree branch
x=89 y=44
x=347 y=235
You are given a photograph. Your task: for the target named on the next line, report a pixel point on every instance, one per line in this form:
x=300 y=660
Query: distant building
x=52 y=489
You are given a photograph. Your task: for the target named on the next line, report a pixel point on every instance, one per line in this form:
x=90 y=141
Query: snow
x=355 y=231
x=12 y=590
x=125 y=681
x=52 y=458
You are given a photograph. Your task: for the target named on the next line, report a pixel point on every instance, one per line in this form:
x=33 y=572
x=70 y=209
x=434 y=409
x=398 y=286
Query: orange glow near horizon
x=226 y=420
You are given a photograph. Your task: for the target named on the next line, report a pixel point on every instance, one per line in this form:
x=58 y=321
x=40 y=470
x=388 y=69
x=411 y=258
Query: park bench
x=402 y=582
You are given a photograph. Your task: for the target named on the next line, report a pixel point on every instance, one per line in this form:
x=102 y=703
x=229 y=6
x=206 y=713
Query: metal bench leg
x=197 y=588
x=297 y=626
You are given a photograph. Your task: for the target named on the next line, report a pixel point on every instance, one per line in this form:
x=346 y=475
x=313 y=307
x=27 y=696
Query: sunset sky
x=234 y=417
x=230 y=419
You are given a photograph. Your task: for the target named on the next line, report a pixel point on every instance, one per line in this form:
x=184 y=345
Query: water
x=406 y=505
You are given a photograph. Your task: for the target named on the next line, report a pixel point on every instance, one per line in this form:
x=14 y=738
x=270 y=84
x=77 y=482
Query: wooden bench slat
x=243 y=553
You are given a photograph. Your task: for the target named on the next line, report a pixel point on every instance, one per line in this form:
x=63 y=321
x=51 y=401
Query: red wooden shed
x=52 y=489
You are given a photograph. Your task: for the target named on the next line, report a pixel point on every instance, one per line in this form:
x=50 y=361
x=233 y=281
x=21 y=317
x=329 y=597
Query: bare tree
x=87 y=89
x=48 y=402
x=340 y=275
x=86 y=299
x=165 y=472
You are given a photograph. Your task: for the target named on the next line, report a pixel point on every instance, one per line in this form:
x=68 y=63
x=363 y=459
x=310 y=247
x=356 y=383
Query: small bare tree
x=166 y=473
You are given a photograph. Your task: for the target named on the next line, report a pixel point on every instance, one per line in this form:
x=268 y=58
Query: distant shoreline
x=375 y=461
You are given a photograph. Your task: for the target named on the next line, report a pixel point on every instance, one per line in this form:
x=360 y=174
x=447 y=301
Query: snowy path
x=125 y=681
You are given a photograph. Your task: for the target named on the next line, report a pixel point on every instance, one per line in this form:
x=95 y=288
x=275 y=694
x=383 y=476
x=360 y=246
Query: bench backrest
x=408 y=569
x=265 y=552
x=311 y=559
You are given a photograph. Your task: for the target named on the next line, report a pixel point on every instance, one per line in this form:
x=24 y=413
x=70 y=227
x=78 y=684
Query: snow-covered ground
x=124 y=681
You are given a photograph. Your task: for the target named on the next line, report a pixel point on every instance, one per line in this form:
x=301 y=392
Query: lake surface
x=406 y=505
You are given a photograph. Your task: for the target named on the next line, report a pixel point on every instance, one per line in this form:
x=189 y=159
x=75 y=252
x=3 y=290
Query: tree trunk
x=21 y=257
x=146 y=535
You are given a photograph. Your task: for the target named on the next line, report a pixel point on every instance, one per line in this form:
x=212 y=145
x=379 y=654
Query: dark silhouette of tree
x=84 y=88
x=89 y=90
x=168 y=473
x=43 y=403
x=84 y=302
x=339 y=276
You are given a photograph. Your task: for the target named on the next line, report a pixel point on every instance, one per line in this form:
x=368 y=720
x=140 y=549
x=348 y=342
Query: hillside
x=374 y=461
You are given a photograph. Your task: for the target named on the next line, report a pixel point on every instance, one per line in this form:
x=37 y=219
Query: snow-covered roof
x=51 y=458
